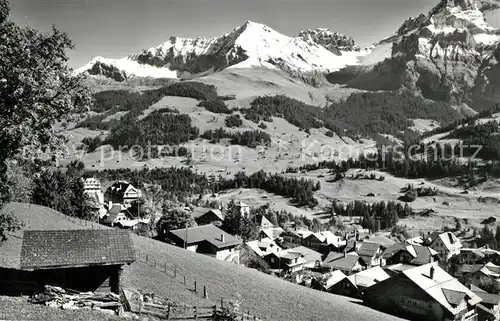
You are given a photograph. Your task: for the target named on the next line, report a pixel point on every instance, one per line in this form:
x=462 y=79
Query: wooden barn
x=81 y=260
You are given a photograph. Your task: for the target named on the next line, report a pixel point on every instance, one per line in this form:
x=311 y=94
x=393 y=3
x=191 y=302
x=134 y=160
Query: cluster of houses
x=431 y=277
x=114 y=206
x=425 y=278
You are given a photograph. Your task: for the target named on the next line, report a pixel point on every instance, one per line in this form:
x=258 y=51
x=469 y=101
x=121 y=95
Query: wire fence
x=190 y=282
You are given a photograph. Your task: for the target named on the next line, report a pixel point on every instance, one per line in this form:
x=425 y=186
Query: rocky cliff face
x=333 y=41
x=442 y=55
x=250 y=45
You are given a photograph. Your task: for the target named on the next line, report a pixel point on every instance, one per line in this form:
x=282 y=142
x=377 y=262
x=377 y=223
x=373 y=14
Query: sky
x=117 y=28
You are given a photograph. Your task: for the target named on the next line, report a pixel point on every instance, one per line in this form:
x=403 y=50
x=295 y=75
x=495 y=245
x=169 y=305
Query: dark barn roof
x=75 y=248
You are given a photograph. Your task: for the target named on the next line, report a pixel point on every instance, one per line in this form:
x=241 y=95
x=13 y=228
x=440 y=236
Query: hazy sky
x=117 y=28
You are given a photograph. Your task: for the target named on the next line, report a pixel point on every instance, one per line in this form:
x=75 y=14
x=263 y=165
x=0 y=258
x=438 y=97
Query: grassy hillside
x=264 y=295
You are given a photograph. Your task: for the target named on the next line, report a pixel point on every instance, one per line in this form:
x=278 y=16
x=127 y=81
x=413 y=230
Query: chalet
x=273 y=233
x=209 y=240
x=264 y=247
x=488 y=273
x=354 y=284
x=489 y=308
x=492 y=256
x=347 y=263
x=328 y=280
x=92 y=187
x=409 y=254
x=243 y=208
x=82 y=260
x=425 y=292
x=122 y=192
x=469 y=256
x=292 y=238
x=293 y=260
x=371 y=254
x=204 y=216
x=324 y=242
x=447 y=245
x=117 y=213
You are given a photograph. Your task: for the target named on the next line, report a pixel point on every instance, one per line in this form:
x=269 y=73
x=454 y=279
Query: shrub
x=262 y=126
x=233 y=121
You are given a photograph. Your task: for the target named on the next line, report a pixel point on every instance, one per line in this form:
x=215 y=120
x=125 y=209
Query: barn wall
x=93 y=278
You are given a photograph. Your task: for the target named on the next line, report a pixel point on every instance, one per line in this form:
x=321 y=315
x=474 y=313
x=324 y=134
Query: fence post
x=165 y=268
x=221 y=302
x=215 y=310
x=175 y=271
x=147 y=258
x=168 y=311
x=195 y=313
x=184 y=280
x=194 y=285
x=205 y=292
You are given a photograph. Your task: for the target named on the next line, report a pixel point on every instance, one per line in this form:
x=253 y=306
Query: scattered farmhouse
x=209 y=240
x=426 y=292
x=263 y=222
x=122 y=192
x=83 y=260
x=478 y=275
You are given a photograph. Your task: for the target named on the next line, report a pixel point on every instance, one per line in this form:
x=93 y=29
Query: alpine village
x=253 y=175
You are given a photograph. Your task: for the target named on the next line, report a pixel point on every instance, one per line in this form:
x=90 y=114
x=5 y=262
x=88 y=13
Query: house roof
x=209 y=233
x=75 y=248
x=399 y=267
x=454 y=297
x=332 y=256
x=393 y=249
x=380 y=239
x=263 y=221
x=423 y=254
x=369 y=277
x=346 y=263
x=488 y=298
x=263 y=248
x=368 y=249
x=309 y=255
x=476 y=289
x=471 y=268
x=202 y=211
x=433 y=286
x=334 y=278
x=477 y=252
x=121 y=187
x=273 y=232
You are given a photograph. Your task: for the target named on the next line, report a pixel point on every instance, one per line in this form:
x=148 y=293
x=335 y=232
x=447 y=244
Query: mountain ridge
x=250 y=45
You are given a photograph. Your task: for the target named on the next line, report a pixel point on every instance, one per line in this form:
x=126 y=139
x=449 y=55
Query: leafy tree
x=36 y=89
x=8 y=223
x=237 y=224
x=173 y=219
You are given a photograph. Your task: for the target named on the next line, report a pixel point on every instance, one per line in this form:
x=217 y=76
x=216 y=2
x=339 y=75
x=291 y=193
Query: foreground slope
x=266 y=296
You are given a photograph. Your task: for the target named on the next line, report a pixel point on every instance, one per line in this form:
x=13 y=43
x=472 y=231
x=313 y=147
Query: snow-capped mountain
x=251 y=45
x=445 y=55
